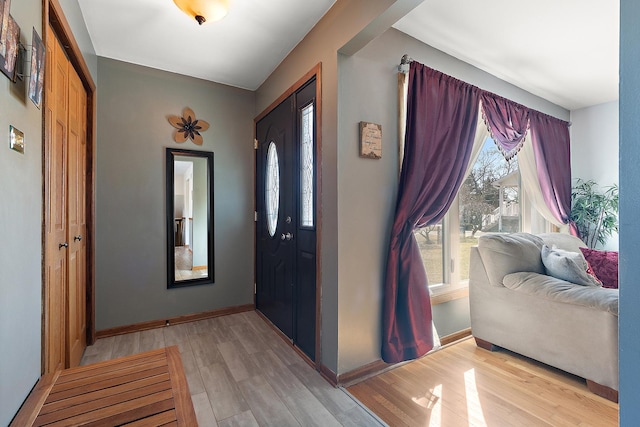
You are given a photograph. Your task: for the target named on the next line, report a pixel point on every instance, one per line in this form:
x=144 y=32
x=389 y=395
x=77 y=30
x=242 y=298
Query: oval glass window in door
x=272 y=190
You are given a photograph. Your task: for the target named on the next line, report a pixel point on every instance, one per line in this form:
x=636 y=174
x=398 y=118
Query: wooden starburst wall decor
x=188 y=127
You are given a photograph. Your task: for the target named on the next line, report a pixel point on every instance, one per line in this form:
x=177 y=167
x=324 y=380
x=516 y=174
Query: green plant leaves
x=595 y=212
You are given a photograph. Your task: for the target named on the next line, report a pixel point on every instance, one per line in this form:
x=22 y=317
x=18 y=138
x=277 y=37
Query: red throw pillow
x=604 y=264
x=592 y=273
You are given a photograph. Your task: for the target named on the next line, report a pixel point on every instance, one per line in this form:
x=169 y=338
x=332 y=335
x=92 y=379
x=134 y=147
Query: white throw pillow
x=566 y=265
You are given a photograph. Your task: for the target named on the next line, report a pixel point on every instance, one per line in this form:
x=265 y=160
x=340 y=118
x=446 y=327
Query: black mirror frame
x=171 y=153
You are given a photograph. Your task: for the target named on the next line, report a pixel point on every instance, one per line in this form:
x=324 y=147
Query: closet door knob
x=63 y=245
x=77 y=238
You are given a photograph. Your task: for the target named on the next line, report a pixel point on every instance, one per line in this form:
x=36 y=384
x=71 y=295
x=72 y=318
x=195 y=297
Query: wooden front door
x=65 y=167
x=286 y=222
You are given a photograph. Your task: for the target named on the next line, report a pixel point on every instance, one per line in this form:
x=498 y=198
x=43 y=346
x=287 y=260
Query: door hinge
x=255 y=288
x=453 y=265
x=255 y=144
x=255 y=216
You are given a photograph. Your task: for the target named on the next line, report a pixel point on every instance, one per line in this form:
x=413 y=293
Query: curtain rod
x=404 y=64
x=404 y=69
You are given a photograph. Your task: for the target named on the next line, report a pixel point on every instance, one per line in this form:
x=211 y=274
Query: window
x=306 y=169
x=490 y=200
x=430 y=241
x=272 y=190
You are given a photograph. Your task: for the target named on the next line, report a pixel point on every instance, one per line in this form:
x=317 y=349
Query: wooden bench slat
x=129 y=359
x=130 y=407
x=161 y=419
x=70 y=375
x=78 y=382
x=133 y=414
x=93 y=386
x=103 y=393
x=103 y=402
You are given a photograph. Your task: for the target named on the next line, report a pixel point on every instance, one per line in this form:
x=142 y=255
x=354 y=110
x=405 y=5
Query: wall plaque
x=370 y=140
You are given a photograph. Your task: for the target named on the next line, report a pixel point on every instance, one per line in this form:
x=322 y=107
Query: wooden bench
x=146 y=389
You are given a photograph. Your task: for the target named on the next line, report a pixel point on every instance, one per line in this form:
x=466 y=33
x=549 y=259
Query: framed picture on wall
x=8 y=62
x=36 y=81
x=370 y=140
x=5 y=8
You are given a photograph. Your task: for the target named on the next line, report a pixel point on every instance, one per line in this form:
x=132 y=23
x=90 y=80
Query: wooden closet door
x=65 y=211
x=77 y=222
x=55 y=205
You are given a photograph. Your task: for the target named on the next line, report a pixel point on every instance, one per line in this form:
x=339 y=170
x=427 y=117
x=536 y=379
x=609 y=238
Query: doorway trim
x=53 y=15
x=316 y=72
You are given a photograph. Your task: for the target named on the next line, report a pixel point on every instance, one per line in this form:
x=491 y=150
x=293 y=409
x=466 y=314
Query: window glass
x=306 y=166
x=430 y=242
x=489 y=201
x=272 y=190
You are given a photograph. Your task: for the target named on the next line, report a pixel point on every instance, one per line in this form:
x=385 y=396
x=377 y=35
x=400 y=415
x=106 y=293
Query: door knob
x=63 y=245
x=287 y=236
x=77 y=238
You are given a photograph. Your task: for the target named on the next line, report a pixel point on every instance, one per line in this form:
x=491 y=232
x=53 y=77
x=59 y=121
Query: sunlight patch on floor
x=474 y=407
x=432 y=401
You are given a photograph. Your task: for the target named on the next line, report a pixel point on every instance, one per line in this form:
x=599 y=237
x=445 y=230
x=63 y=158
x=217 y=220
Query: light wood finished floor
x=241 y=373
x=462 y=385
x=184 y=265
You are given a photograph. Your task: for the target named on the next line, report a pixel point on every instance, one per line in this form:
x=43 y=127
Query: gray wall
x=20 y=228
x=367 y=188
x=629 y=333
x=594 y=148
x=133 y=131
x=366 y=200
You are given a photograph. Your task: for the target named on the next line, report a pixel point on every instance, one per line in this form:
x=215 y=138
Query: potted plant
x=595 y=212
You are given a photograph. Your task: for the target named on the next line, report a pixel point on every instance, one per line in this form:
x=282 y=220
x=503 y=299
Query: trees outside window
x=488 y=201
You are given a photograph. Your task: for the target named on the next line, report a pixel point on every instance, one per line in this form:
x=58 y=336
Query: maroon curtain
x=507 y=122
x=550 y=138
x=441 y=120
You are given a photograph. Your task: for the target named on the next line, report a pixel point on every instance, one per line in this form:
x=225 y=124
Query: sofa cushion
x=566 y=265
x=503 y=254
x=604 y=265
x=563 y=241
x=552 y=289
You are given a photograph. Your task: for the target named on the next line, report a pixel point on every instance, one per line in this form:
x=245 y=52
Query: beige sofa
x=515 y=305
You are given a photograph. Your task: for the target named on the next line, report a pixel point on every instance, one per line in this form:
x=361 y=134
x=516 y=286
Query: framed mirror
x=189 y=192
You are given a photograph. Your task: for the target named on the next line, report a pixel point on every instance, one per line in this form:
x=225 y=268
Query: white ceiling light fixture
x=204 y=10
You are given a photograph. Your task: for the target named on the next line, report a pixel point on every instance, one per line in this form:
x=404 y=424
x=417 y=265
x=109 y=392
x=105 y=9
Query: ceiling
x=240 y=50
x=565 y=51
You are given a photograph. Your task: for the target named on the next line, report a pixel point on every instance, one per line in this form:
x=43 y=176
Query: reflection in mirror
x=189 y=217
